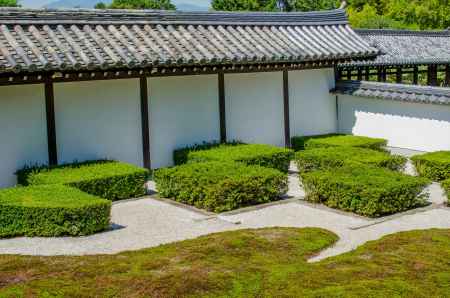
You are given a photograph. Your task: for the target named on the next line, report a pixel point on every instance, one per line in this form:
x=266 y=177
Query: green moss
x=246 y=263
x=365 y=190
x=322 y=158
x=220 y=186
x=435 y=165
x=333 y=140
x=51 y=210
x=256 y=154
x=107 y=179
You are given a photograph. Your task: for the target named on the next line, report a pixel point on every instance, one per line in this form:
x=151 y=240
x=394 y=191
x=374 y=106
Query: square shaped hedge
x=51 y=210
x=323 y=158
x=110 y=180
x=181 y=155
x=333 y=140
x=435 y=165
x=365 y=190
x=255 y=154
x=220 y=186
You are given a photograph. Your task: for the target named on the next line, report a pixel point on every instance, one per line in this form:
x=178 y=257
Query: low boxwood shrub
x=111 y=180
x=434 y=165
x=333 y=140
x=51 y=210
x=180 y=156
x=365 y=190
x=220 y=186
x=261 y=155
x=321 y=158
x=446 y=187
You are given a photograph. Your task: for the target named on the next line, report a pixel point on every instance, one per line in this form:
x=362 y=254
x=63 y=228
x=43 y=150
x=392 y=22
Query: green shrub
x=435 y=165
x=446 y=186
x=220 y=186
x=333 y=140
x=51 y=210
x=106 y=179
x=261 y=155
x=322 y=158
x=180 y=156
x=365 y=190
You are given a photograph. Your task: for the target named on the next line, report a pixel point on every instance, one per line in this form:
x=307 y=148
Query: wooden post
x=360 y=74
x=222 y=108
x=367 y=74
x=287 y=126
x=399 y=75
x=145 y=126
x=349 y=74
x=379 y=74
x=383 y=74
x=447 y=75
x=51 y=126
x=416 y=75
x=432 y=75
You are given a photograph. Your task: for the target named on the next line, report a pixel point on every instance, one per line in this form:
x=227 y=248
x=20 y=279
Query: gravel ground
x=150 y=222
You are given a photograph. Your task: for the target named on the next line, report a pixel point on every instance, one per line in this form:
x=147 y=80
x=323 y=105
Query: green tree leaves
x=9 y=3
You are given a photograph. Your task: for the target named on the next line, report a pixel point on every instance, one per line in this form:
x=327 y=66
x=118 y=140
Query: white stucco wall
x=183 y=111
x=254 y=107
x=23 y=130
x=312 y=107
x=99 y=119
x=424 y=127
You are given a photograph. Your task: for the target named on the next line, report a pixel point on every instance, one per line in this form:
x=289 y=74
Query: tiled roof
x=401 y=47
x=399 y=92
x=42 y=40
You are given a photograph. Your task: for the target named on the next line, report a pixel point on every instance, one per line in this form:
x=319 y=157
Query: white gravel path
x=150 y=222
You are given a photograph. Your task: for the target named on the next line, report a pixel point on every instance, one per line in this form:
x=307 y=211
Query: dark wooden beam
x=287 y=126
x=447 y=75
x=222 y=109
x=399 y=75
x=379 y=74
x=383 y=74
x=367 y=74
x=432 y=75
x=416 y=75
x=51 y=126
x=360 y=74
x=145 y=126
x=349 y=74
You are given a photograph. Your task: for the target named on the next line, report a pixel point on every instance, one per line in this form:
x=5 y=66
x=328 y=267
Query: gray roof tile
x=43 y=40
x=398 y=92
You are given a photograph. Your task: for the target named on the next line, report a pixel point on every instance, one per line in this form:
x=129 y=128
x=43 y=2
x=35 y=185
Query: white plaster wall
x=312 y=107
x=23 y=130
x=99 y=119
x=254 y=107
x=183 y=111
x=414 y=126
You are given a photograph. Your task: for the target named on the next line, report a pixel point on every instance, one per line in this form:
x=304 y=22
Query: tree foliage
x=137 y=4
x=9 y=3
x=272 y=5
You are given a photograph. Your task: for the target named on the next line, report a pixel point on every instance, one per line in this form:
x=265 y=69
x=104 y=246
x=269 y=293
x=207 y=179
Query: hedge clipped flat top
x=91 y=171
x=434 y=165
x=438 y=157
x=48 y=196
x=332 y=140
x=236 y=153
x=337 y=156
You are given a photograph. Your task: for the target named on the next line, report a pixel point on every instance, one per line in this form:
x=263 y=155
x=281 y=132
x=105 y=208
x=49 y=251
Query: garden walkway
x=151 y=222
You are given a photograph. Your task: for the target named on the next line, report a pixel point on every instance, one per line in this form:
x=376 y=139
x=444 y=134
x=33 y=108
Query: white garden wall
x=98 y=119
x=312 y=107
x=23 y=130
x=183 y=111
x=416 y=126
x=254 y=107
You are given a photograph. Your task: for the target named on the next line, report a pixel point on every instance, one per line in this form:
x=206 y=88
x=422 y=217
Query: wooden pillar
x=349 y=74
x=145 y=126
x=360 y=75
x=447 y=75
x=222 y=108
x=383 y=74
x=338 y=73
x=399 y=75
x=287 y=125
x=51 y=126
x=432 y=75
x=416 y=75
x=367 y=74
x=379 y=74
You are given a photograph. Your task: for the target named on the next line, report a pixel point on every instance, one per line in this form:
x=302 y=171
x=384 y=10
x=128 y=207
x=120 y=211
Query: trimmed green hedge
x=180 y=156
x=446 y=186
x=365 y=190
x=333 y=140
x=51 y=210
x=261 y=155
x=435 y=165
x=220 y=186
x=111 y=180
x=322 y=158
